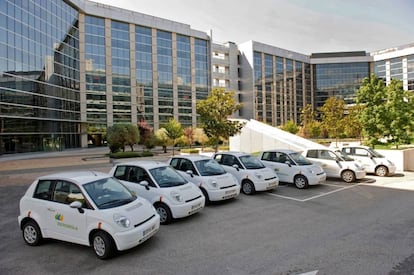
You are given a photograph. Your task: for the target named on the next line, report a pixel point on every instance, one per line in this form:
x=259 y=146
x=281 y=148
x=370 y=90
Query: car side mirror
x=288 y=163
x=77 y=205
x=145 y=184
x=235 y=166
x=190 y=173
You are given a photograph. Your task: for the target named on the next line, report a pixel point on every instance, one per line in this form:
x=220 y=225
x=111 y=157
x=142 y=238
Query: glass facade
x=202 y=70
x=341 y=80
x=39 y=82
x=281 y=89
x=121 y=72
x=143 y=74
x=165 y=76
x=410 y=72
x=184 y=80
x=95 y=72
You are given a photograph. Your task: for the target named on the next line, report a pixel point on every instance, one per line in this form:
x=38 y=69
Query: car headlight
x=311 y=171
x=176 y=196
x=258 y=176
x=213 y=183
x=122 y=221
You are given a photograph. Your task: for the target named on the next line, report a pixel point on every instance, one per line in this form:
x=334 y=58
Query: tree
x=291 y=127
x=400 y=110
x=174 y=130
x=373 y=116
x=308 y=121
x=200 y=137
x=162 y=138
x=117 y=137
x=189 y=135
x=214 y=112
x=352 y=126
x=132 y=136
x=332 y=114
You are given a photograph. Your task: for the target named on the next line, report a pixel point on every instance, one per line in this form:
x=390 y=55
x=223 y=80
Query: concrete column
x=405 y=73
x=193 y=84
x=82 y=82
x=174 y=72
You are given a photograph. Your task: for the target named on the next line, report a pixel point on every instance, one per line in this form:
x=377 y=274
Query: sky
x=304 y=26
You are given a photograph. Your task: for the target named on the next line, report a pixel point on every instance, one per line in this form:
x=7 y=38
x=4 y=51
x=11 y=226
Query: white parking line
x=331 y=192
x=284 y=197
x=317 y=196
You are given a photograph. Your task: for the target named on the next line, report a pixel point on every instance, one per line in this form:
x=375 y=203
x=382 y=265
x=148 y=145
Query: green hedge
x=119 y=155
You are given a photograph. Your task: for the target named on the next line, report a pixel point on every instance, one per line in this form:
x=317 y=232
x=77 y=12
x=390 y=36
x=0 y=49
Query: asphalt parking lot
x=335 y=228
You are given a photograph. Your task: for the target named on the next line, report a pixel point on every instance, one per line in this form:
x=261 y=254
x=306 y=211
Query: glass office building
x=39 y=76
x=71 y=68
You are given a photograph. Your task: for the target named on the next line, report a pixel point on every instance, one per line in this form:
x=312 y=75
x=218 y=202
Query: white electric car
x=172 y=196
x=335 y=165
x=215 y=183
x=87 y=208
x=292 y=167
x=250 y=172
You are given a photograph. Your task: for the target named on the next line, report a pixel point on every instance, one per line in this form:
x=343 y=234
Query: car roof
x=146 y=164
x=286 y=151
x=234 y=153
x=81 y=177
x=192 y=157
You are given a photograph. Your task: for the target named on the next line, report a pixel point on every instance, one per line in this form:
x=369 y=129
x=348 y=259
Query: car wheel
x=164 y=212
x=31 y=233
x=301 y=182
x=248 y=187
x=205 y=195
x=103 y=245
x=348 y=176
x=381 y=171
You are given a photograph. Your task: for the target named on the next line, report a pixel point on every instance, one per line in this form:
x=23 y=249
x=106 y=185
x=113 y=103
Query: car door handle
x=51 y=209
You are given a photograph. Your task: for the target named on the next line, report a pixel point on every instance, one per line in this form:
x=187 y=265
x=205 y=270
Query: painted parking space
x=290 y=192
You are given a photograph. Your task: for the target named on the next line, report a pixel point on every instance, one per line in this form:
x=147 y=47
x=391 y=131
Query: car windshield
x=342 y=156
x=108 y=193
x=374 y=153
x=251 y=162
x=209 y=167
x=299 y=159
x=166 y=176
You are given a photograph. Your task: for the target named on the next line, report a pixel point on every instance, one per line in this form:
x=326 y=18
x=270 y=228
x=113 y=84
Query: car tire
x=348 y=176
x=381 y=171
x=31 y=233
x=301 y=182
x=103 y=245
x=248 y=187
x=207 y=201
x=164 y=212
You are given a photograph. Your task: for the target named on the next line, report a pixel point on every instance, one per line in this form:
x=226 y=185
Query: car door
x=67 y=223
x=132 y=176
x=324 y=159
x=362 y=157
x=276 y=161
x=227 y=161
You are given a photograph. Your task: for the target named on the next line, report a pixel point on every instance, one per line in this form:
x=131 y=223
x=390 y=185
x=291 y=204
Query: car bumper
x=391 y=170
x=266 y=185
x=224 y=194
x=317 y=179
x=360 y=174
x=187 y=209
x=131 y=238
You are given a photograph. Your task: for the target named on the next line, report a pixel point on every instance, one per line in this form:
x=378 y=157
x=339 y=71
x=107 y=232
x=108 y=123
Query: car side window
x=282 y=158
x=174 y=163
x=67 y=192
x=219 y=158
x=142 y=175
x=44 y=190
x=312 y=154
x=269 y=156
x=187 y=165
x=120 y=172
x=361 y=152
